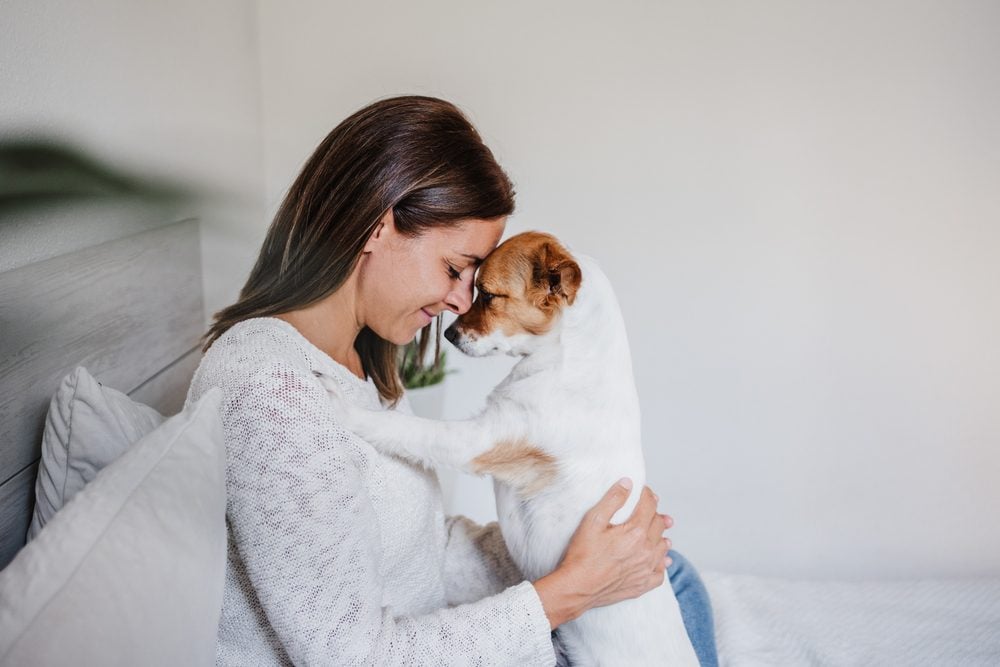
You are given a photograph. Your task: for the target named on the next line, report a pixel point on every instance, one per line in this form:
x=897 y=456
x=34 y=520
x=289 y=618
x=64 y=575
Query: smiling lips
x=429 y=316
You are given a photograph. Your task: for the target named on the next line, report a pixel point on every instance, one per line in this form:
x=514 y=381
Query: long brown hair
x=420 y=157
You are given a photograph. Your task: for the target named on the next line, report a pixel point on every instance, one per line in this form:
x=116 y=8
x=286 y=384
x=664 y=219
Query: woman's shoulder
x=250 y=350
x=262 y=338
x=262 y=351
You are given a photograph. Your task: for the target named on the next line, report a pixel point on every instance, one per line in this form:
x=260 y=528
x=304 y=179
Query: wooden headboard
x=129 y=309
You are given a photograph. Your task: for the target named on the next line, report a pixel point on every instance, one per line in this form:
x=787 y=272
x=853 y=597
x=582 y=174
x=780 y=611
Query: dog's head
x=523 y=287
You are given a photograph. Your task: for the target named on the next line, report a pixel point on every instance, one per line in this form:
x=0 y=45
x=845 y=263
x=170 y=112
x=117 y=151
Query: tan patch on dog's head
x=518 y=464
x=523 y=286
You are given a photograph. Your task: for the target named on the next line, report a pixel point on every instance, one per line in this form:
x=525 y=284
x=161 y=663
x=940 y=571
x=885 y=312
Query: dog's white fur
x=572 y=398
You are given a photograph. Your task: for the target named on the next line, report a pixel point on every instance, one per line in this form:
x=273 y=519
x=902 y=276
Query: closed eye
x=454 y=273
x=485 y=297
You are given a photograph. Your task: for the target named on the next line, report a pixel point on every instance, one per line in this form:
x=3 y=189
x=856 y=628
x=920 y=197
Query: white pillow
x=87 y=427
x=131 y=571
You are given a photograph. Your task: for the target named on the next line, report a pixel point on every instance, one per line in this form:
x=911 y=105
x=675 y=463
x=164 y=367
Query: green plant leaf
x=415 y=373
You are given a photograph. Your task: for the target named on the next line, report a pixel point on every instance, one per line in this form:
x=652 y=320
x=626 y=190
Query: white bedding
x=763 y=621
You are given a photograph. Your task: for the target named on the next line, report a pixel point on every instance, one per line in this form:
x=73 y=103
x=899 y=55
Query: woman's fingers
x=645 y=511
x=662 y=560
x=656 y=528
x=612 y=501
x=661 y=552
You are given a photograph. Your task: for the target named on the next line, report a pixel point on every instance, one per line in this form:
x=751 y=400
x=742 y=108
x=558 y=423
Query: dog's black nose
x=451 y=333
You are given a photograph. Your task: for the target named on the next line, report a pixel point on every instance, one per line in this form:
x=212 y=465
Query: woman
x=338 y=554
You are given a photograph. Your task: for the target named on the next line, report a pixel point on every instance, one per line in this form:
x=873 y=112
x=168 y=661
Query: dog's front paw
x=348 y=414
x=331 y=385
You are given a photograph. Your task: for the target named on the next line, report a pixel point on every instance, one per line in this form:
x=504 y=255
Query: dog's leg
x=492 y=443
x=437 y=443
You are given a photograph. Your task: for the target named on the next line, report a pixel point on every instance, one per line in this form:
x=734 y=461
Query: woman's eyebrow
x=476 y=260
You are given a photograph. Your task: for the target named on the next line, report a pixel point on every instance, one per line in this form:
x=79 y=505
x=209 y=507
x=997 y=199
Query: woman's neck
x=332 y=325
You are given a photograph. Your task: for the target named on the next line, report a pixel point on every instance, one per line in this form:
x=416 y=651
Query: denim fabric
x=696 y=608
x=696 y=611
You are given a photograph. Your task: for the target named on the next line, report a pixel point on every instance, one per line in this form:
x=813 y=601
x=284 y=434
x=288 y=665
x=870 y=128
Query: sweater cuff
x=541 y=635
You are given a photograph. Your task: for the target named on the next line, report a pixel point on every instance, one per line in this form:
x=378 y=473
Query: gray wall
x=163 y=90
x=797 y=202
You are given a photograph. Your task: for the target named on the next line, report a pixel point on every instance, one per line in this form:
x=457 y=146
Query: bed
x=130 y=309
x=772 y=621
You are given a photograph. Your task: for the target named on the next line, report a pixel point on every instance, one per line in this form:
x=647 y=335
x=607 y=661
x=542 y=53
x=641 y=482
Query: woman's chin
x=403 y=338
x=398 y=336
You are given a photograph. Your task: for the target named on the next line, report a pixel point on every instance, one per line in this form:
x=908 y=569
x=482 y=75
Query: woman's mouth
x=429 y=316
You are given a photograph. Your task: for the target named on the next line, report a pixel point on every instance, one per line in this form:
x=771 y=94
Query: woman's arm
x=305 y=528
x=477 y=562
x=604 y=563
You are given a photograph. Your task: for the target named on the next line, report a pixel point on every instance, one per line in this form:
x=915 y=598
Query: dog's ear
x=557 y=272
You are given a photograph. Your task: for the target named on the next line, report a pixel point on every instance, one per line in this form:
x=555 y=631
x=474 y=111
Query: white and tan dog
x=555 y=434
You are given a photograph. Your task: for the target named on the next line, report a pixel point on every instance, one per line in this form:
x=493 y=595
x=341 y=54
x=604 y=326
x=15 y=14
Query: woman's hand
x=605 y=564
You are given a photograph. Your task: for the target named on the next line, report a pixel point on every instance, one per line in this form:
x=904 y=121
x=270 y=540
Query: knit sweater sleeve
x=477 y=562
x=305 y=528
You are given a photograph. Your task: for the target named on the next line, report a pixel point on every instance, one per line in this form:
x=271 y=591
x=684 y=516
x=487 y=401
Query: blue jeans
x=696 y=610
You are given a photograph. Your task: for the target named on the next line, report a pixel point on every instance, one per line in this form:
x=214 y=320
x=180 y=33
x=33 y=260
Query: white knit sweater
x=339 y=555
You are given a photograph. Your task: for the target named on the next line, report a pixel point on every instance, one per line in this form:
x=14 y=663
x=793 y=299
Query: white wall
x=798 y=204
x=168 y=90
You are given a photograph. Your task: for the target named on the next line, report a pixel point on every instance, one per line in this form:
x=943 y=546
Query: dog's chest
x=585 y=455
x=536 y=530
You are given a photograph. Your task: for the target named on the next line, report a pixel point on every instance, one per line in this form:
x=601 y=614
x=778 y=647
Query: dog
x=555 y=434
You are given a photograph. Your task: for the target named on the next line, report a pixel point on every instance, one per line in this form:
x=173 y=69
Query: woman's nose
x=459 y=300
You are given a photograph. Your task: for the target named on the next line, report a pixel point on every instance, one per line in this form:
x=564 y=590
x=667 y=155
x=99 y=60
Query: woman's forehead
x=472 y=239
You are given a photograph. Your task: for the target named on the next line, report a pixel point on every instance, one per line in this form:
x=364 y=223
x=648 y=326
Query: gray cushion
x=131 y=571
x=87 y=427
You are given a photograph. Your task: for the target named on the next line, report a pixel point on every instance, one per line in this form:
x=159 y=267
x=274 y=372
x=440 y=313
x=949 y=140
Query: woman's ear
x=381 y=231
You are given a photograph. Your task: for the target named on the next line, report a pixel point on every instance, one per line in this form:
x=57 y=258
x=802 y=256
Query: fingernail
x=626 y=482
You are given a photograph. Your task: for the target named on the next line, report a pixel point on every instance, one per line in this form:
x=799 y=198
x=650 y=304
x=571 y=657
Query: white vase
x=427 y=401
